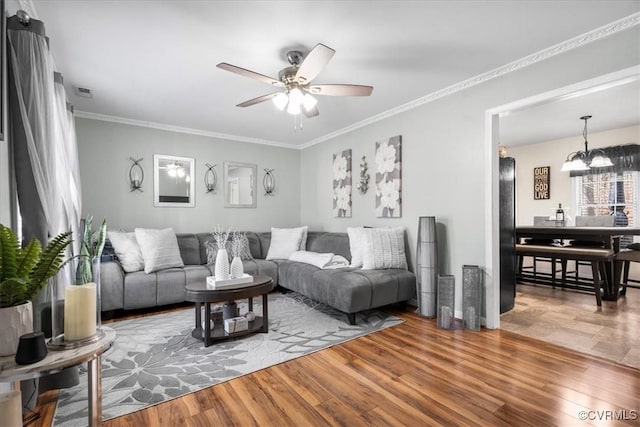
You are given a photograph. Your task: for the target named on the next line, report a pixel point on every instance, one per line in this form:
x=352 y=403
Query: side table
x=57 y=360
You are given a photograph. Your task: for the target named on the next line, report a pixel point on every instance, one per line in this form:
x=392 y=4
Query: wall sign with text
x=542 y=183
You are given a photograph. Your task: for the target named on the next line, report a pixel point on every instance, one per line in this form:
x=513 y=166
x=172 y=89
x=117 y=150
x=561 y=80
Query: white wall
x=104 y=149
x=444 y=155
x=553 y=153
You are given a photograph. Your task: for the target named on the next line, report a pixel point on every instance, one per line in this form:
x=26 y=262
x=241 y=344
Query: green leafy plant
x=91 y=247
x=25 y=271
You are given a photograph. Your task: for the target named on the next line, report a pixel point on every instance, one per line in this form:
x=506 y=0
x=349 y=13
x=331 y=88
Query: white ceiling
x=154 y=61
x=611 y=108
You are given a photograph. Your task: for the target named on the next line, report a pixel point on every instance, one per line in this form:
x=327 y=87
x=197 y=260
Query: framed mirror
x=173 y=181
x=240 y=185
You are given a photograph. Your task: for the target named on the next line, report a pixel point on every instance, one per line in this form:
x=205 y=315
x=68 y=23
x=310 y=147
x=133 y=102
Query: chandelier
x=585 y=160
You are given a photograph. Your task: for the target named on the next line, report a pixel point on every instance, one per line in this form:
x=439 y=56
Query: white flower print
x=343 y=197
x=389 y=195
x=385 y=158
x=339 y=168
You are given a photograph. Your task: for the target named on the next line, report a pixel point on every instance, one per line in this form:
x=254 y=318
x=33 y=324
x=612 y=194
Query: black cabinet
x=507 y=190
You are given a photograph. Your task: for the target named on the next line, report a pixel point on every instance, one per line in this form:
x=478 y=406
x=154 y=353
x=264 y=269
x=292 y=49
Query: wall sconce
x=136 y=174
x=363 y=185
x=269 y=182
x=210 y=179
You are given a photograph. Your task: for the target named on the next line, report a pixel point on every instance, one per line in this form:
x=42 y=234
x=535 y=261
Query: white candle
x=79 y=312
x=11 y=409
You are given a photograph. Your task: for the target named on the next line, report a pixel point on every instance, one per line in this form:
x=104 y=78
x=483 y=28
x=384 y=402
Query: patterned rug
x=154 y=358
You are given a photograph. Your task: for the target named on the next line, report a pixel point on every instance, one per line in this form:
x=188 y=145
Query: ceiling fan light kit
x=296 y=79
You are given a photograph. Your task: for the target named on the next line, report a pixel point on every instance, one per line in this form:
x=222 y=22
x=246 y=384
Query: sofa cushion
x=189 y=248
x=384 y=282
x=265 y=242
x=348 y=289
x=261 y=267
x=170 y=287
x=335 y=243
x=111 y=289
x=139 y=290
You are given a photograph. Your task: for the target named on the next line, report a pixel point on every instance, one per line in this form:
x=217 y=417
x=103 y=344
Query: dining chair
x=541 y=221
x=588 y=221
x=627 y=256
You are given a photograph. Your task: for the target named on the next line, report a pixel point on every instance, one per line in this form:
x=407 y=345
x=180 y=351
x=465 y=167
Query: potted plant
x=23 y=273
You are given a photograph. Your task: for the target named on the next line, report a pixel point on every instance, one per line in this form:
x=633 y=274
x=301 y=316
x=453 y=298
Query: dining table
x=608 y=236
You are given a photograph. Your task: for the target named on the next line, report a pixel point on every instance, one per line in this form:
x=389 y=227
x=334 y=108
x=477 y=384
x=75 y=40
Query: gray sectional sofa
x=347 y=289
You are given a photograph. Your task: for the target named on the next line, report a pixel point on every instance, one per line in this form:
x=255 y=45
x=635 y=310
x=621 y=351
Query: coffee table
x=200 y=294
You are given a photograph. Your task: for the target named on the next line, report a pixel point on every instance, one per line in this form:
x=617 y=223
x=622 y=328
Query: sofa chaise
x=349 y=290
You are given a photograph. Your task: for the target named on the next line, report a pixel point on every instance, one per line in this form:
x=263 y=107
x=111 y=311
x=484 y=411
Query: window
x=615 y=193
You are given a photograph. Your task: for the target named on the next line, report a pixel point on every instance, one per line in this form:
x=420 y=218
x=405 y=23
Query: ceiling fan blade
x=314 y=62
x=340 y=90
x=257 y=100
x=311 y=112
x=250 y=74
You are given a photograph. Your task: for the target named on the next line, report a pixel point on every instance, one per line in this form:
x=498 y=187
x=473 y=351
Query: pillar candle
x=11 y=409
x=80 y=312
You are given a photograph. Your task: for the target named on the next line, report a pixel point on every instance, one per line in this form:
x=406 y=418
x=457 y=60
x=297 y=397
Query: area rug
x=154 y=358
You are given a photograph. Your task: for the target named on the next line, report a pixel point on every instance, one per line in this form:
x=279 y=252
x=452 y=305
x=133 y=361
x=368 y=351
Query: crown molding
x=573 y=43
x=560 y=48
x=170 y=128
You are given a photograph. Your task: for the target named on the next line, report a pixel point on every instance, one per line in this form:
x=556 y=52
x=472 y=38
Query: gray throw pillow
x=245 y=251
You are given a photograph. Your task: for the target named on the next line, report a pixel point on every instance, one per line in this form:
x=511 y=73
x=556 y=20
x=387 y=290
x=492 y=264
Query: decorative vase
x=446 y=301
x=95 y=269
x=237 y=269
x=427 y=266
x=222 y=265
x=471 y=296
x=16 y=321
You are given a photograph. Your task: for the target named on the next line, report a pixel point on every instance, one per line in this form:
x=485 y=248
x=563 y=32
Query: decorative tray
x=236 y=283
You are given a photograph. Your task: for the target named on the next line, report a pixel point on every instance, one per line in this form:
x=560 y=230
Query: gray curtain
x=40 y=158
x=624 y=158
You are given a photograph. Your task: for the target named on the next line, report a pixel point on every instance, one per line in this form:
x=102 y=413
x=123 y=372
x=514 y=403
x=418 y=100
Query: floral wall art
x=342 y=184
x=389 y=178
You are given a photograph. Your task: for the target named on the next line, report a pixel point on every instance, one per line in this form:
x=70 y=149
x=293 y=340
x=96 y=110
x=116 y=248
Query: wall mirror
x=173 y=183
x=240 y=185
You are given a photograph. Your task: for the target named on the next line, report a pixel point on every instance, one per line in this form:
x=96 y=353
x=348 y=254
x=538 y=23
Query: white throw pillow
x=285 y=241
x=356 y=235
x=383 y=248
x=159 y=249
x=127 y=250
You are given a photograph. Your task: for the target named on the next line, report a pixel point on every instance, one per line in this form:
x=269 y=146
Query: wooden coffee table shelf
x=200 y=294
x=218 y=333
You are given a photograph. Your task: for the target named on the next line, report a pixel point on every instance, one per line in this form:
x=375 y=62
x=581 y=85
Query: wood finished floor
x=409 y=375
x=572 y=319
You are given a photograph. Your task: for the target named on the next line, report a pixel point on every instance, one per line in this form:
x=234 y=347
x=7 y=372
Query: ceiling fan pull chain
x=297 y=123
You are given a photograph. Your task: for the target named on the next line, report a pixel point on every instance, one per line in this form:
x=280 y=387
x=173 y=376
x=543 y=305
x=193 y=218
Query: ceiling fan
x=296 y=82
